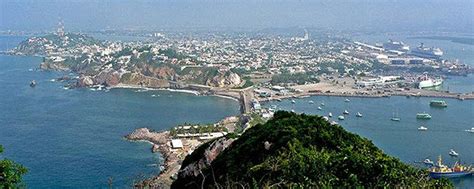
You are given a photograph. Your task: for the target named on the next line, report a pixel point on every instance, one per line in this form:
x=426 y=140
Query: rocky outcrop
x=53 y=66
x=210 y=153
x=107 y=78
x=142 y=80
x=145 y=134
x=84 y=81
x=226 y=79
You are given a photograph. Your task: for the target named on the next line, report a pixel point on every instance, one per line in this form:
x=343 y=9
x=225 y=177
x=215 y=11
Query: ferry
x=358 y=114
x=395 y=46
x=423 y=116
x=442 y=171
x=422 y=128
x=439 y=103
x=340 y=117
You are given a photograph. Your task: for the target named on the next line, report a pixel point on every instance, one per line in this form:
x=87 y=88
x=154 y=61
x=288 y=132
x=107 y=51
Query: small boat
x=442 y=171
x=358 y=114
x=279 y=100
x=334 y=123
x=345 y=112
x=453 y=153
x=340 y=117
x=319 y=108
x=422 y=128
x=153 y=95
x=395 y=117
x=423 y=116
x=438 y=103
x=346 y=100
x=322 y=104
x=325 y=118
x=311 y=102
x=330 y=114
x=293 y=111
x=33 y=83
x=428 y=162
x=470 y=130
x=293 y=101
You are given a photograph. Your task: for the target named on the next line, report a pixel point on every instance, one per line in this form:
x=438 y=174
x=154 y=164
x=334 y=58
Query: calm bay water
x=73 y=138
x=446 y=130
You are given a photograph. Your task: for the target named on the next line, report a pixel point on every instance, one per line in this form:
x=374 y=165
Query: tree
x=10 y=173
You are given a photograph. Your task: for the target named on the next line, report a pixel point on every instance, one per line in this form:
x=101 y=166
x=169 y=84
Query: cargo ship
x=427 y=52
x=442 y=171
x=439 y=103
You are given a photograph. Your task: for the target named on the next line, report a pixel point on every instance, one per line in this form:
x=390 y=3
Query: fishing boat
x=345 y=112
x=33 y=83
x=346 y=100
x=470 y=130
x=428 y=162
x=319 y=108
x=438 y=103
x=358 y=114
x=311 y=102
x=340 y=117
x=453 y=153
x=423 y=116
x=442 y=171
x=330 y=114
x=421 y=128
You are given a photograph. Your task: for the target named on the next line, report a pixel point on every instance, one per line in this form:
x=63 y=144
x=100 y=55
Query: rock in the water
x=84 y=81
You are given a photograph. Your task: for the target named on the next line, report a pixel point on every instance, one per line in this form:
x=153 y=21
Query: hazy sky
x=376 y=15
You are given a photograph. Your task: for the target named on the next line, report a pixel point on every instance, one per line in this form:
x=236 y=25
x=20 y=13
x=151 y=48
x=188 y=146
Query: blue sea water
x=446 y=130
x=74 y=138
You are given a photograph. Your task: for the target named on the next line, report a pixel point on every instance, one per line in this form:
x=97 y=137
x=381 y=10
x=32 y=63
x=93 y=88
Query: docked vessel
x=442 y=171
x=427 y=82
x=438 y=103
x=395 y=46
x=427 y=52
x=423 y=116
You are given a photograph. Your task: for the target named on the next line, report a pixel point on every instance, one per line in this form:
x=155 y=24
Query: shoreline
x=124 y=86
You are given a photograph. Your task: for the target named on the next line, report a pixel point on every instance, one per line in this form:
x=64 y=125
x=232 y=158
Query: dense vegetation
x=298 y=78
x=302 y=151
x=10 y=173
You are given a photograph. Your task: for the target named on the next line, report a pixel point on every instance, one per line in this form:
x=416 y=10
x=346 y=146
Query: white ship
x=426 y=82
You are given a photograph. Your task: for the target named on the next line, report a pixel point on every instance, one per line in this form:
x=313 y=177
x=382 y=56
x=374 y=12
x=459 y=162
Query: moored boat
x=358 y=114
x=311 y=102
x=423 y=116
x=442 y=171
x=330 y=114
x=345 y=112
x=293 y=101
x=438 y=103
x=453 y=153
x=422 y=128
x=319 y=108
x=33 y=83
x=340 y=117
x=347 y=100
x=470 y=130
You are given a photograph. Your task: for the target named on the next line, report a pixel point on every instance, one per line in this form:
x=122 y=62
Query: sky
x=366 y=15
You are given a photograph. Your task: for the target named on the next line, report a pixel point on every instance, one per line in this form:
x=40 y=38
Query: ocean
x=74 y=138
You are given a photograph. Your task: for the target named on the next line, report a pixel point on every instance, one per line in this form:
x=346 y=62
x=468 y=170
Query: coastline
x=126 y=86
